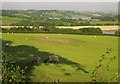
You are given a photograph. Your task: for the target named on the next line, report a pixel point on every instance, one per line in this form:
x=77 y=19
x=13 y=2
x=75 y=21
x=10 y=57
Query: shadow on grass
x=22 y=55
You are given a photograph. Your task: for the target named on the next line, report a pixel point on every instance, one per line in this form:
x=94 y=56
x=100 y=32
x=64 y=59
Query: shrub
x=53 y=29
x=117 y=32
x=12 y=73
x=91 y=31
x=104 y=68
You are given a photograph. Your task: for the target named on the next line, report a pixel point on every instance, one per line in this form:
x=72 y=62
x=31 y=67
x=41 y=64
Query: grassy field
x=10 y=20
x=104 y=22
x=78 y=54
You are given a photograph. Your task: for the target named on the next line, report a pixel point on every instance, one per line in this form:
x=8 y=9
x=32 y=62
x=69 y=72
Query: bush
x=52 y=29
x=117 y=32
x=11 y=73
x=91 y=31
x=101 y=70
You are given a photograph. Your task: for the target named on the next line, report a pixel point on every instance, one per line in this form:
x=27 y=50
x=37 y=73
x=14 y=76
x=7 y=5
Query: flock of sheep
x=50 y=59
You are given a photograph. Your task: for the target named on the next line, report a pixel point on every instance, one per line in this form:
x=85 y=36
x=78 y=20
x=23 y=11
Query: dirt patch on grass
x=55 y=40
x=66 y=41
x=59 y=40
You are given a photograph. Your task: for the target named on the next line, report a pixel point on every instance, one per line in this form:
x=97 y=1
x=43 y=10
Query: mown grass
x=78 y=54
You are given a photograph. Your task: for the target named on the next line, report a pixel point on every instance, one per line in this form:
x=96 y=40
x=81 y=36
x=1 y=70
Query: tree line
x=62 y=22
x=52 y=29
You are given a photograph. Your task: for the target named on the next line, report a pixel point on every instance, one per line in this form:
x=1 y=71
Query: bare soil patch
x=55 y=40
x=101 y=27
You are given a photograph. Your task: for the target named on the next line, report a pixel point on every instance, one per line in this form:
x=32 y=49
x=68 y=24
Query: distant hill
x=57 y=17
x=46 y=14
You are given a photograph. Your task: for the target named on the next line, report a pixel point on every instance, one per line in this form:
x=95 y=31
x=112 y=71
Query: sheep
x=26 y=38
x=36 y=60
x=52 y=59
x=7 y=44
x=46 y=37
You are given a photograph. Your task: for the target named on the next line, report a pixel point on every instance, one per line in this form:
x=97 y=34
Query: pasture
x=9 y=20
x=104 y=22
x=78 y=55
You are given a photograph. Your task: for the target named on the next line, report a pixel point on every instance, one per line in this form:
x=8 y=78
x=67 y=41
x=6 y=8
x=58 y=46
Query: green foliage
x=52 y=29
x=12 y=73
x=91 y=31
x=47 y=22
x=62 y=22
x=104 y=68
x=117 y=32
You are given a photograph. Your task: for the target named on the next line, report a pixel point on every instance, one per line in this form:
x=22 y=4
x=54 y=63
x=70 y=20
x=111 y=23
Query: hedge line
x=48 y=29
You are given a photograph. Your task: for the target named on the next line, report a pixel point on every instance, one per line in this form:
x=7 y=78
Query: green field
x=104 y=22
x=9 y=20
x=78 y=54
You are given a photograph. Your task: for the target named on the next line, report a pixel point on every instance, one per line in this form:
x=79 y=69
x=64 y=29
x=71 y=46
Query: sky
x=79 y=6
x=59 y=0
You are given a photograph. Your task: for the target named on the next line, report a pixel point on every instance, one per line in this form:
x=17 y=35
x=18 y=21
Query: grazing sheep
x=52 y=59
x=36 y=60
x=26 y=38
x=7 y=44
x=46 y=37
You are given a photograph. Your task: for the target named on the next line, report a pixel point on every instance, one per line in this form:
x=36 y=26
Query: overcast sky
x=59 y=0
x=80 y=6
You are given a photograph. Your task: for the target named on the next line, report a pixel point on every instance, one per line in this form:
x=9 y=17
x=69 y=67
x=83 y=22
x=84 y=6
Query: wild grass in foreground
x=101 y=67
